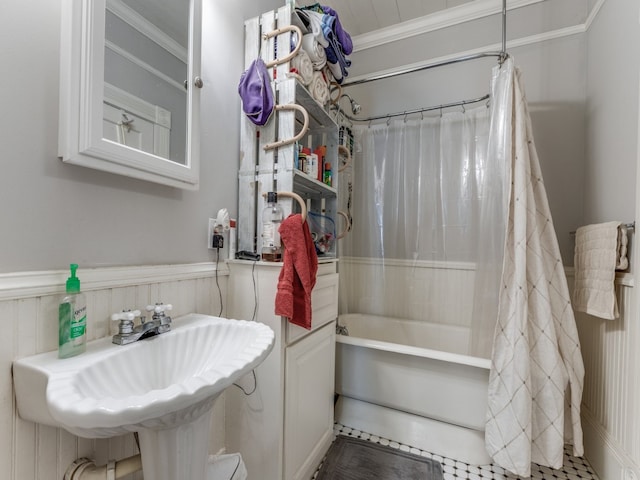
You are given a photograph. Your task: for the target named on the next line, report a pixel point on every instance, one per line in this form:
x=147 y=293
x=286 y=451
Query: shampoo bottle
x=72 y=319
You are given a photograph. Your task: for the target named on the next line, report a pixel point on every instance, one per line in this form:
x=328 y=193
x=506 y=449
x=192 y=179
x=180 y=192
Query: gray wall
x=612 y=117
x=554 y=73
x=53 y=213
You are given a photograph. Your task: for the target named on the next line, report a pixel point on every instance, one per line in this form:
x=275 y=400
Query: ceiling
x=364 y=16
x=357 y=16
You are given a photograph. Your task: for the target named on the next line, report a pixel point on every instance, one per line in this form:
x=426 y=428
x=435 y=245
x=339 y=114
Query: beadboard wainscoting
x=609 y=347
x=29 y=323
x=396 y=288
x=611 y=396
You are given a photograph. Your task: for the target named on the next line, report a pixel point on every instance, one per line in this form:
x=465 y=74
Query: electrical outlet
x=218 y=241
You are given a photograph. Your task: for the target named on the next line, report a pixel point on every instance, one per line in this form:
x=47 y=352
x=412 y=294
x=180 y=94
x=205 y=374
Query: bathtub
x=412 y=381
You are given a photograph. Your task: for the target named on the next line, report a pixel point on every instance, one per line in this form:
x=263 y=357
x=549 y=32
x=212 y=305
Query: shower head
x=356 y=108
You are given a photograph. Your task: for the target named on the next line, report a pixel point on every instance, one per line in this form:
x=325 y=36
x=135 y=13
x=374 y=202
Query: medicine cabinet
x=130 y=90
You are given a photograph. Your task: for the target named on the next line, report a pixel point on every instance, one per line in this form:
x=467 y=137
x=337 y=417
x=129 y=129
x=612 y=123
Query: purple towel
x=256 y=94
x=343 y=37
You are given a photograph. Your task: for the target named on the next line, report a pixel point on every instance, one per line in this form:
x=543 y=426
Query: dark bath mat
x=354 y=459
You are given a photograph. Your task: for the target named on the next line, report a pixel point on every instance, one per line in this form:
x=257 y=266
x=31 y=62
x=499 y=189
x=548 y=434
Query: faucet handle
x=126 y=318
x=159 y=308
x=126 y=315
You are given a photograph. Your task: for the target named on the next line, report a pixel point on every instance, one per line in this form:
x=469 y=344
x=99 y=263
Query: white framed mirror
x=130 y=88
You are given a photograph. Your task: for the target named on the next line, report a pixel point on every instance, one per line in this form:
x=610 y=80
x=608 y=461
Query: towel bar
x=303 y=131
x=630 y=226
x=293 y=53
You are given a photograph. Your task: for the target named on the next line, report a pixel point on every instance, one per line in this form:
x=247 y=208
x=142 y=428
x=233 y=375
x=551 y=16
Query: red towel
x=298 y=274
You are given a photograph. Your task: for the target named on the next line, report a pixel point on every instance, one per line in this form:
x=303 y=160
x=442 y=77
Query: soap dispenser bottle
x=72 y=319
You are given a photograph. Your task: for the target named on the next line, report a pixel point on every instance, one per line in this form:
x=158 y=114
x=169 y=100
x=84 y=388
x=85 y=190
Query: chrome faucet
x=128 y=332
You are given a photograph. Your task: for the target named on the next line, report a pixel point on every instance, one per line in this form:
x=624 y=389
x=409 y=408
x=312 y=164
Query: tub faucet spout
x=342 y=330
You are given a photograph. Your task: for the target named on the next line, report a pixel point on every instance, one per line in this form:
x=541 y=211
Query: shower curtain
x=451 y=226
x=427 y=207
x=537 y=365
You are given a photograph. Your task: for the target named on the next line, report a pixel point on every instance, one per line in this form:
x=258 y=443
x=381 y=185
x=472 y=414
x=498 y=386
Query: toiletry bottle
x=272 y=217
x=321 y=152
x=327 y=173
x=312 y=169
x=233 y=238
x=72 y=319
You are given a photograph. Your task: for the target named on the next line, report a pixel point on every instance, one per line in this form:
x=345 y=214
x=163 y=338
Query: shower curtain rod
x=461 y=103
x=501 y=55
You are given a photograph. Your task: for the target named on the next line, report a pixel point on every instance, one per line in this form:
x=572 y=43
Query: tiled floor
x=574 y=468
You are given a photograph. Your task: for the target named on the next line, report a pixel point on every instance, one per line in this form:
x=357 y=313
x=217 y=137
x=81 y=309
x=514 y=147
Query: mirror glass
x=145 y=69
x=130 y=88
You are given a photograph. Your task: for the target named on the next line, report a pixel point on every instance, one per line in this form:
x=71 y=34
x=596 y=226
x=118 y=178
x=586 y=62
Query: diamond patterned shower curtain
x=536 y=360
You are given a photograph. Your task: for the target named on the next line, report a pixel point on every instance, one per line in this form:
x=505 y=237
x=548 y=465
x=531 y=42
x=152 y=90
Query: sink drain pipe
x=86 y=469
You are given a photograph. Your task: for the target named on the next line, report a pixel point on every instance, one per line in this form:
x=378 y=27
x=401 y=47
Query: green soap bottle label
x=65 y=316
x=79 y=323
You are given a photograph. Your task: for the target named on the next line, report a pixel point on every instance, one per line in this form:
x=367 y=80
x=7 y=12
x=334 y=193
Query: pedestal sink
x=162 y=387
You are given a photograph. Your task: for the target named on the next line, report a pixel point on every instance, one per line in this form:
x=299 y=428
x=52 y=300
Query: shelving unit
x=268 y=170
x=285 y=427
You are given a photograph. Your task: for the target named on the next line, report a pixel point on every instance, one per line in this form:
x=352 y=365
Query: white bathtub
x=412 y=381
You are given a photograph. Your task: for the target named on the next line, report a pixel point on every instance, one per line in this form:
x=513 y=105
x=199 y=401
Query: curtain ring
x=370 y=123
x=405 y=117
x=421 y=114
x=388 y=120
x=440 y=112
x=464 y=110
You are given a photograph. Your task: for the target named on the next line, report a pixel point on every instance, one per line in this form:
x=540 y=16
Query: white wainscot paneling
x=28 y=309
x=439 y=292
x=610 y=398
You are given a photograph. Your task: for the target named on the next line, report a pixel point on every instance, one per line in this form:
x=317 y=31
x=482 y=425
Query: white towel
x=315 y=50
x=601 y=249
x=302 y=63
x=319 y=88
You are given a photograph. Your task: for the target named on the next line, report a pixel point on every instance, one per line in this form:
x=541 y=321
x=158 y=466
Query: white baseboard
x=607 y=458
x=441 y=438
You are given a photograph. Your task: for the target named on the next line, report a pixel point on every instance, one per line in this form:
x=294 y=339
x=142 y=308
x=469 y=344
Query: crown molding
x=518 y=42
x=436 y=21
x=514 y=43
x=454 y=16
x=593 y=14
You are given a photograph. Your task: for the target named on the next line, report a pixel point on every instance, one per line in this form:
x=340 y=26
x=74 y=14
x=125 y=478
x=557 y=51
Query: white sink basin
x=157 y=383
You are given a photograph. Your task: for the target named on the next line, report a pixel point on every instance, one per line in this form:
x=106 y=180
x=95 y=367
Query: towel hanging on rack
x=600 y=250
x=298 y=275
